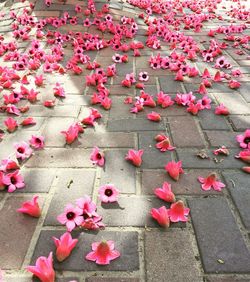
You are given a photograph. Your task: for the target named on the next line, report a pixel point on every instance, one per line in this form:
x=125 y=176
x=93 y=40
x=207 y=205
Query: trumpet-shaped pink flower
x=174 y=169
x=153 y=116
x=163 y=143
x=244 y=156
x=23 y=151
x=11 y=124
x=72 y=133
x=165 y=193
x=234 y=84
x=135 y=157
x=2 y=185
x=244 y=139
x=43 y=269
x=221 y=110
x=103 y=252
x=246 y=169
x=64 y=246
x=59 y=91
x=178 y=212
x=28 y=121
x=97 y=157
x=8 y=164
x=161 y=216
x=211 y=182
x=87 y=206
x=108 y=193
x=71 y=216
x=37 y=142
x=31 y=207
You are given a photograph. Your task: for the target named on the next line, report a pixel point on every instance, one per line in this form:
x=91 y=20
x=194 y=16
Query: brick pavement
x=214 y=246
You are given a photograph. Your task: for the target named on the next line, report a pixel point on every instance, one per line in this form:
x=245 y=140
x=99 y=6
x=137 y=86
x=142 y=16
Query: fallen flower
x=22 y=150
x=31 y=207
x=37 y=142
x=174 y=169
x=246 y=169
x=64 y=246
x=244 y=156
x=211 y=182
x=178 y=212
x=244 y=139
x=43 y=269
x=164 y=143
x=165 y=193
x=135 y=157
x=161 y=216
x=13 y=181
x=71 y=216
x=108 y=193
x=153 y=116
x=221 y=151
x=221 y=110
x=103 y=252
x=97 y=157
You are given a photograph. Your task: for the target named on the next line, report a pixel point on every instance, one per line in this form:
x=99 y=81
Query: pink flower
x=244 y=156
x=108 y=193
x=28 y=121
x=97 y=157
x=86 y=205
x=165 y=193
x=103 y=252
x=59 y=91
x=244 y=139
x=153 y=116
x=64 y=246
x=210 y=182
x=13 y=181
x=163 y=143
x=31 y=207
x=71 y=217
x=37 y=142
x=72 y=133
x=8 y=164
x=221 y=110
x=11 y=124
x=2 y=185
x=143 y=76
x=178 y=212
x=194 y=108
x=161 y=216
x=246 y=169
x=164 y=100
x=174 y=169
x=217 y=77
x=43 y=269
x=23 y=150
x=135 y=157
x=233 y=84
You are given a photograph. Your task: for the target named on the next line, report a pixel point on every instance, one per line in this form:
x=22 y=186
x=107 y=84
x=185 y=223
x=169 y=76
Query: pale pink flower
x=23 y=150
x=37 y=142
x=13 y=181
x=97 y=157
x=71 y=217
x=108 y=193
x=211 y=182
x=244 y=139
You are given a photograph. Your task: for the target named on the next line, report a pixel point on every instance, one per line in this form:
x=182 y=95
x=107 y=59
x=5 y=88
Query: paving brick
x=227 y=279
x=184 y=132
x=119 y=109
x=240 y=193
x=234 y=102
x=68 y=191
x=219 y=138
x=190 y=160
x=37 y=180
x=170 y=257
x=152 y=157
x=57 y=111
x=218 y=236
x=186 y=185
x=130 y=125
x=169 y=85
x=210 y=121
x=60 y=158
x=120 y=90
x=116 y=168
x=125 y=242
x=16 y=230
x=52 y=131
x=240 y=123
x=133 y=210
x=108 y=279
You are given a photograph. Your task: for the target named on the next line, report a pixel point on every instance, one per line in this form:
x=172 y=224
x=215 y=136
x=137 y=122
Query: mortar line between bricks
x=41 y=220
x=202 y=134
x=96 y=184
x=141 y=247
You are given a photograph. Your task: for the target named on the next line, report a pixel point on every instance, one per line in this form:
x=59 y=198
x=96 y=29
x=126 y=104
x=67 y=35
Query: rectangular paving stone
x=107 y=140
x=169 y=85
x=60 y=111
x=37 y=180
x=72 y=184
x=184 y=132
x=152 y=157
x=240 y=123
x=16 y=230
x=110 y=279
x=219 y=138
x=186 y=185
x=119 y=109
x=125 y=242
x=240 y=192
x=133 y=210
x=119 y=172
x=170 y=257
x=190 y=160
x=218 y=236
x=60 y=158
x=210 y=121
x=52 y=131
x=234 y=102
x=134 y=125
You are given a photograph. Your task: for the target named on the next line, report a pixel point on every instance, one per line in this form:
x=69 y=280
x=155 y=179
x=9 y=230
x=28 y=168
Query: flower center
x=38 y=140
x=98 y=156
x=144 y=76
x=70 y=215
x=247 y=140
x=108 y=192
x=13 y=180
x=20 y=150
